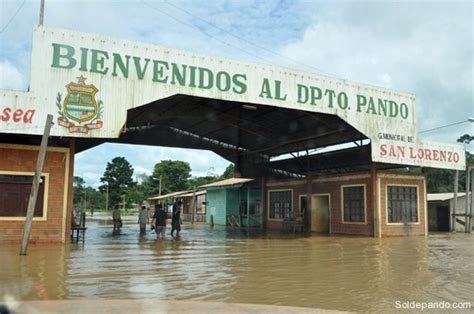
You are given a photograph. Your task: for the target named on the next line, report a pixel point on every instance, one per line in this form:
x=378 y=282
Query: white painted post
x=453 y=210
x=472 y=200
x=35 y=186
x=194 y=205
x=466 y=211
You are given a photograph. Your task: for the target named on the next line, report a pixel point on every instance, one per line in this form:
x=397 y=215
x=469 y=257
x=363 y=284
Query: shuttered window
x=14 y=194
x=353 y=199
x=402 y=204
x=280 y=205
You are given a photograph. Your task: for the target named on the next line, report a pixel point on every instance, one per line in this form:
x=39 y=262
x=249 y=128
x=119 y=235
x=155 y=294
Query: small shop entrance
x=320 y=213
x=442 y=213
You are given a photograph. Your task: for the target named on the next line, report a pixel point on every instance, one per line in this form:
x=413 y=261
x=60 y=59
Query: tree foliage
x=87 y=197
x=78 y=185
x=195 y=182
x=174 y=176
x=442 y=180
x=211 y=177
x=134 y=195
x=93 y=198
x=228 y=172
x=466 y=139
x=118 y=177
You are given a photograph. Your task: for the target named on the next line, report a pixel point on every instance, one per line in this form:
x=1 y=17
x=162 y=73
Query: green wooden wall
x=215 y=205
x=224 y=201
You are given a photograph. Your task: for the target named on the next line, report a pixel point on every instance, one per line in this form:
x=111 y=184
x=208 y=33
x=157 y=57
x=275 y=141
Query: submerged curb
x=154 y=306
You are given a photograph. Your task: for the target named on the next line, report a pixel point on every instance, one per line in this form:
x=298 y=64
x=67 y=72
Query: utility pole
x=159 y=191
x=194 y=205
x=455 y=205
x=41 y=15
x=467 y=213
x=35 y=186
x=107 y=197
x=84 y=203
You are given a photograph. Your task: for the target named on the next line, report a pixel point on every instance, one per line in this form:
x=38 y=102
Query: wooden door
x=320 y=213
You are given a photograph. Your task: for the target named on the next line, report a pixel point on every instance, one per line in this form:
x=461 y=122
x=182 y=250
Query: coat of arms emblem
x=80 y=111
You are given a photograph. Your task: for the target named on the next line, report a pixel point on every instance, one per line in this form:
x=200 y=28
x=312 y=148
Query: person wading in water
x=143 y=220
x=117 y=218
x=159 y=219
x=176 y=218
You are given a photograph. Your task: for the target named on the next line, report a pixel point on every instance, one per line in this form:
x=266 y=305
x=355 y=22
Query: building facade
x=391 y=204
x=235 y=202
x=52 y=218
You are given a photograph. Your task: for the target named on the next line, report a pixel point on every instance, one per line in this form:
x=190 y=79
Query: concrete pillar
x=263 y=203
x=452 y=210
x=309 y=192
x=374 y=205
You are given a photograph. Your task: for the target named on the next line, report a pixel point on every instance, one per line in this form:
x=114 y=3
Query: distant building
x=235 y=202
x=188 y=205
x=440 y=205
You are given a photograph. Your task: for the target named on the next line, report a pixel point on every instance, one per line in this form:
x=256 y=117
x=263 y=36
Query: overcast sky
x=424 y=48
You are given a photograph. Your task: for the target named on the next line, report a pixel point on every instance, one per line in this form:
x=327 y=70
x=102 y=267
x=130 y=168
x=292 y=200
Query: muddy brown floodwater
x=342 y=273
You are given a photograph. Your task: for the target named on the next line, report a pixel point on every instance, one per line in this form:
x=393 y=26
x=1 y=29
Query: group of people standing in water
x=157 y=222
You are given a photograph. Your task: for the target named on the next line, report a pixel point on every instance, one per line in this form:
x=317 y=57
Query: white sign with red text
x=420 y=153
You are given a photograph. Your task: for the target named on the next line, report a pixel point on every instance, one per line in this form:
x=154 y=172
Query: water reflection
x=246 y=267
x=41 y=275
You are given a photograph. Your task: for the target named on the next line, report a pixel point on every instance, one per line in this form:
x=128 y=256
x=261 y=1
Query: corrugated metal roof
x=227 y=182
x=161 y=197
x=190 y=194
x=443 y=196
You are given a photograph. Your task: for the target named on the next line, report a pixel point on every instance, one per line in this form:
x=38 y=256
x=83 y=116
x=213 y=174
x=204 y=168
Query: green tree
x=174 y=176
x=442 y=180
x=144 y=185
x=93 y=198
x=118 y=177
x=228 y=172
x=147 y=186
x=466 y=139
x=78 y=185
x=198 y=181
x=134 y=195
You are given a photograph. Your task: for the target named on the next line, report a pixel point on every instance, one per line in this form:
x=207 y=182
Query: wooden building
x=440 y=208
x=51 y=221
x=234 y=202
x=188 y=198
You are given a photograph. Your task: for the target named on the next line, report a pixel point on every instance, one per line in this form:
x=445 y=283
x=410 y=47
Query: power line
x=448 y=125
x=13 y=17
x=245 y=40
x=200 y=30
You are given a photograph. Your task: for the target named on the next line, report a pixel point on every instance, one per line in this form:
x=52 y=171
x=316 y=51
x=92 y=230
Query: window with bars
x=280 y=204
x=353 y=199
x=402 y=204
x=15 y=193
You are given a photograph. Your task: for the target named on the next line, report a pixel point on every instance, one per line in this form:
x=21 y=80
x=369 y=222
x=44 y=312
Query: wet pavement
x=240 y=266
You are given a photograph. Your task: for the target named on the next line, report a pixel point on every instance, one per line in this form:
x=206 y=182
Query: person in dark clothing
x=117 y=218
x=176 y=218
x=159 y=219
x=143 y=219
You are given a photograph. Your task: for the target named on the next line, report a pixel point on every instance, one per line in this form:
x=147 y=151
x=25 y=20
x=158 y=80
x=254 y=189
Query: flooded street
x=342 y=273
